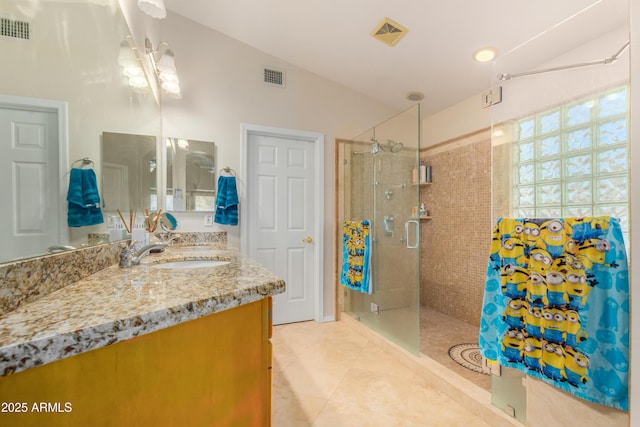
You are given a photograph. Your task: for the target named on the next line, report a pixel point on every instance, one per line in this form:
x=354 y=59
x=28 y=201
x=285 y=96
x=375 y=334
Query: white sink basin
x=193 y=263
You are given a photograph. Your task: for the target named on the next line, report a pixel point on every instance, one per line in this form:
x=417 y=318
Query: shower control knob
x=307 y=240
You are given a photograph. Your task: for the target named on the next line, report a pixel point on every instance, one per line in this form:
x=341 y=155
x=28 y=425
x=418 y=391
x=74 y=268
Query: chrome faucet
x=168 y=237
x=129 y=257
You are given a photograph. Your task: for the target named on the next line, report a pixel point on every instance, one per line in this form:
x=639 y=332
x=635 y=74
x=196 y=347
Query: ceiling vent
x=273 y=77
x=389 y=32
x=15 y=29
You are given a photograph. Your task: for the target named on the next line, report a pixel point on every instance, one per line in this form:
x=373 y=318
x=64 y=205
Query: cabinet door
x=215 y=370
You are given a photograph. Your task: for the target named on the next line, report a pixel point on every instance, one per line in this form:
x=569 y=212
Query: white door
x=30 y=175
x=115 y=187
x=282 y=219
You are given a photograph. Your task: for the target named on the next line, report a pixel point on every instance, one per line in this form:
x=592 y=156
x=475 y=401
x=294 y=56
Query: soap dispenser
x=423 y=171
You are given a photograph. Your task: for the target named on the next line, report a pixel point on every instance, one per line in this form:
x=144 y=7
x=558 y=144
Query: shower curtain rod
x=609 y=60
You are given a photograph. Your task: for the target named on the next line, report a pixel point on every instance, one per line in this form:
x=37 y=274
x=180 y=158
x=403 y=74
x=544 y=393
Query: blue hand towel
x=227 y=201
x=356 y=256
x=83 y=198
x=556 y=304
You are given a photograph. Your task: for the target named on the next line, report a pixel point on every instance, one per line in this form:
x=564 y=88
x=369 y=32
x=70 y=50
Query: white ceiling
x=332 y=38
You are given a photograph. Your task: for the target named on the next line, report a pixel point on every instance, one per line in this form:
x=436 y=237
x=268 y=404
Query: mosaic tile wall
x=394 y=197
x=455 y=243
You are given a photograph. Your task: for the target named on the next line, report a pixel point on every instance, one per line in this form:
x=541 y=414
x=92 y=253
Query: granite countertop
x=116 y=304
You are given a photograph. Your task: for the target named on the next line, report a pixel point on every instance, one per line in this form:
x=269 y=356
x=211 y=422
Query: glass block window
x=573 y=160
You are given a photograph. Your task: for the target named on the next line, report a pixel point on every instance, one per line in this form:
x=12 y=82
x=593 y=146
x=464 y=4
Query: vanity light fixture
x=153 y=8
x=131 y=66
x=485 y=54
x=164 y=64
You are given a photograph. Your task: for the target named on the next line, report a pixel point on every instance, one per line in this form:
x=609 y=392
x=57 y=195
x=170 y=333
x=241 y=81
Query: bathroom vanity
x=144 y=346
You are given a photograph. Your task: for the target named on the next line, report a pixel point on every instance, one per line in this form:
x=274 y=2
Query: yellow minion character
x=533 y=321
x=537 y=289
x=510 y=227
x=511 y=250
x=513 y=345
x=531 y=232
x=576 y=365
x=574 y=222
x=566 y=262
x=540 y=260
x=593 y=251
x=600 y=223
x=577 y=288
x=554 y=235
x=533 y=353
x=553 y=325
x=514 y=281
x=575 y=334
x=556 y=289
x=496 y=241
x=514 y=313
x=553 y=361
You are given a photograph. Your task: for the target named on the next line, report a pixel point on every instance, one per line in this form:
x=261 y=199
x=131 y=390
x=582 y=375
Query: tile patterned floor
x=439 y=332
x=326 y=374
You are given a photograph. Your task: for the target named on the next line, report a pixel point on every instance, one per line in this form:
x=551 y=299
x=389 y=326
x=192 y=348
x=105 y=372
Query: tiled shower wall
x=455 y=242
x=395 y=269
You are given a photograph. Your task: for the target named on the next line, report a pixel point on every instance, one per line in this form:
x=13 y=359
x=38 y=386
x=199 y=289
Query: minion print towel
x=556 y=304
x=356 y=256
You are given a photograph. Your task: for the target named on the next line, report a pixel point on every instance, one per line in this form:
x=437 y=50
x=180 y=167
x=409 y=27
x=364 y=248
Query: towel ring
x=228 y=170
x=85 y=162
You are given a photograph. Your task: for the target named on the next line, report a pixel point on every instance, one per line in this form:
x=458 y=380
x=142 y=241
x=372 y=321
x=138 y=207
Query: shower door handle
x=406 y=233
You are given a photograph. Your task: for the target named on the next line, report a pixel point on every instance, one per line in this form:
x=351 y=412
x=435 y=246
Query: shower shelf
x=422 y=217
x=421 y=184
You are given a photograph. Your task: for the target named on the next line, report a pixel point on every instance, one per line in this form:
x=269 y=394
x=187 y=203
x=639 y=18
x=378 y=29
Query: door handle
x=406 y=234
x=307 y=240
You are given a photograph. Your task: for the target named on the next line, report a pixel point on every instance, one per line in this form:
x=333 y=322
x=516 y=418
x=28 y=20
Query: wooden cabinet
x=212 y=371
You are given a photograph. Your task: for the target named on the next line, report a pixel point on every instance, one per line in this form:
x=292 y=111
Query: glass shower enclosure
x=377 y=181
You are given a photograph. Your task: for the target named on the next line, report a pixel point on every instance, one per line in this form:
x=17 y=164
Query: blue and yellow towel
x=83 y=198
x=227 y=201
x=556 y=304
x=356 y=256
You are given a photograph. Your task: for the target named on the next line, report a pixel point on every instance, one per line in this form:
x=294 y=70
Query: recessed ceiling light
x=415 y=96
x=485 y=54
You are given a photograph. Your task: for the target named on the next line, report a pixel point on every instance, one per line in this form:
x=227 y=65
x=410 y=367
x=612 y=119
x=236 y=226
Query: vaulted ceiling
x=332 y=38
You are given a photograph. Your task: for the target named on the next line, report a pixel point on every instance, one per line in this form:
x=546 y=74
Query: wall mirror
x=129 y=171
x=191 y=175
x=54 y=62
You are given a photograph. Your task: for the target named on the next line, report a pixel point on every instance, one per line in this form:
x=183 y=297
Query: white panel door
x=29 y=171
x=115 y=187
x=281 y=219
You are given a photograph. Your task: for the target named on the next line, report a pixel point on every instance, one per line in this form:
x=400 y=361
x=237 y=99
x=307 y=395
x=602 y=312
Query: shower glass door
x=377 y=184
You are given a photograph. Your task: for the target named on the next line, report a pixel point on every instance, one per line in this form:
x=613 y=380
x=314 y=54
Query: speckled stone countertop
x=116 y=304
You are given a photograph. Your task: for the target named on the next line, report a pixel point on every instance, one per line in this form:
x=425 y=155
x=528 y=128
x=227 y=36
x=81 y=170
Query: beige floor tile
x=337 y=414
x=295 y=409
x=429 y=407
x=374 y=392
x=327 y=374
x=373 y=358
x=312 y=375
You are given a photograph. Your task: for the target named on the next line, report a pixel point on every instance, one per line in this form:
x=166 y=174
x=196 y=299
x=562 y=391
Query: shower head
x=393 y=146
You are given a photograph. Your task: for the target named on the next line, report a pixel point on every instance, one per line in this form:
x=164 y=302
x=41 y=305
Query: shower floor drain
x=468 y=356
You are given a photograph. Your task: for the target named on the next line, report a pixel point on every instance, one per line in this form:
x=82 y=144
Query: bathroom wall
x=221 y=81
x=455 y=242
